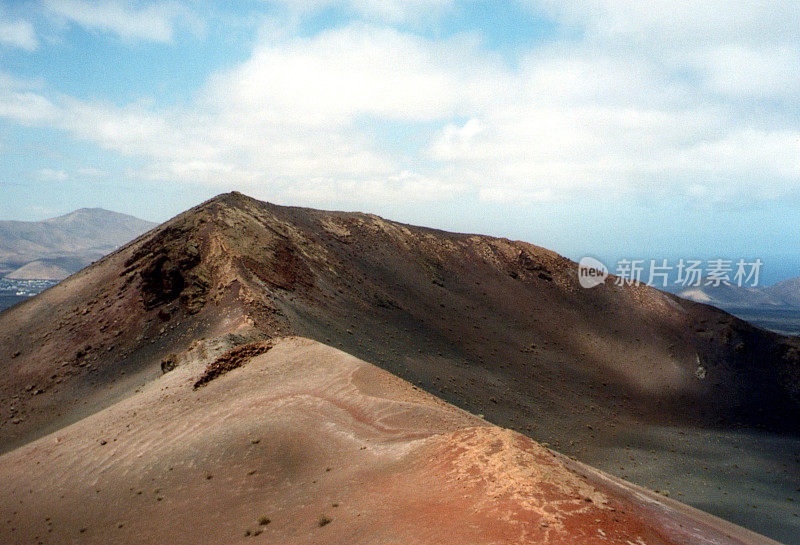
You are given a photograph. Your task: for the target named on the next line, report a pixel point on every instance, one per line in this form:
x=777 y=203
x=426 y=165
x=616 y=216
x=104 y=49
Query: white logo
x=591 y=272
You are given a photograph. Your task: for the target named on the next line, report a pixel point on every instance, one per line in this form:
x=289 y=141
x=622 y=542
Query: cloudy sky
x=617 y=128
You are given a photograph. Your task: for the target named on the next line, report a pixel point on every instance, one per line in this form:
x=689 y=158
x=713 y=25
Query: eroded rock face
x=171 y=267
x=283 y=269
x=230 y=360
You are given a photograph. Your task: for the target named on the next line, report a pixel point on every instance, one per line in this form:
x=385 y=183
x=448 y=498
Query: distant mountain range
x=55 y=248
x=783 y=295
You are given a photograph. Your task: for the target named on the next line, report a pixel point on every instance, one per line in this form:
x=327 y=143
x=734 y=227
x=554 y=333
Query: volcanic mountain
x=496 y=327
x=782 y=295
x=53 y=249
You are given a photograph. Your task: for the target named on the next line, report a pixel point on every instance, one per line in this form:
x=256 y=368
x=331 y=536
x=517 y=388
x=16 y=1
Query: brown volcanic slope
x=306 y=444
x=497 y=327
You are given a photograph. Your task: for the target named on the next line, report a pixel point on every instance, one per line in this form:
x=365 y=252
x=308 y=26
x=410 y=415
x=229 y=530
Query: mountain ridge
x=781 y=295
x=496 y=327
x=280 y=265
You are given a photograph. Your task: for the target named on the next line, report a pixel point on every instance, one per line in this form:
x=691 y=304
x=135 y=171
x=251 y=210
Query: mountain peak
x=232 y=199
x=497 y=327
x=68 y=242
x=315 y=273
x=93 y=213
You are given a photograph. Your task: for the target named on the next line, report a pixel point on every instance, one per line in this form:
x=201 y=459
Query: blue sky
x=615 y=128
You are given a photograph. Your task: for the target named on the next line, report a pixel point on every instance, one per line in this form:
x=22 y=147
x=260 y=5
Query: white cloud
x=18 y=34
x=589 y=117
x=20 y=101
x=594 y=124
x=403 y=187
x=400 y=9
x=132 y=130
x=26 y=107
x=382 y=10
x=91 y=173
x=51 y=175
x=678 y=24
x=154 y=22
x=738 y=48
x=772 y=157
x=767 y=72
x=358 y=70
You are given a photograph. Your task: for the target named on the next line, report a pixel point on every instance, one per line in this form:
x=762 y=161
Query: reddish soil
x=329 y=449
